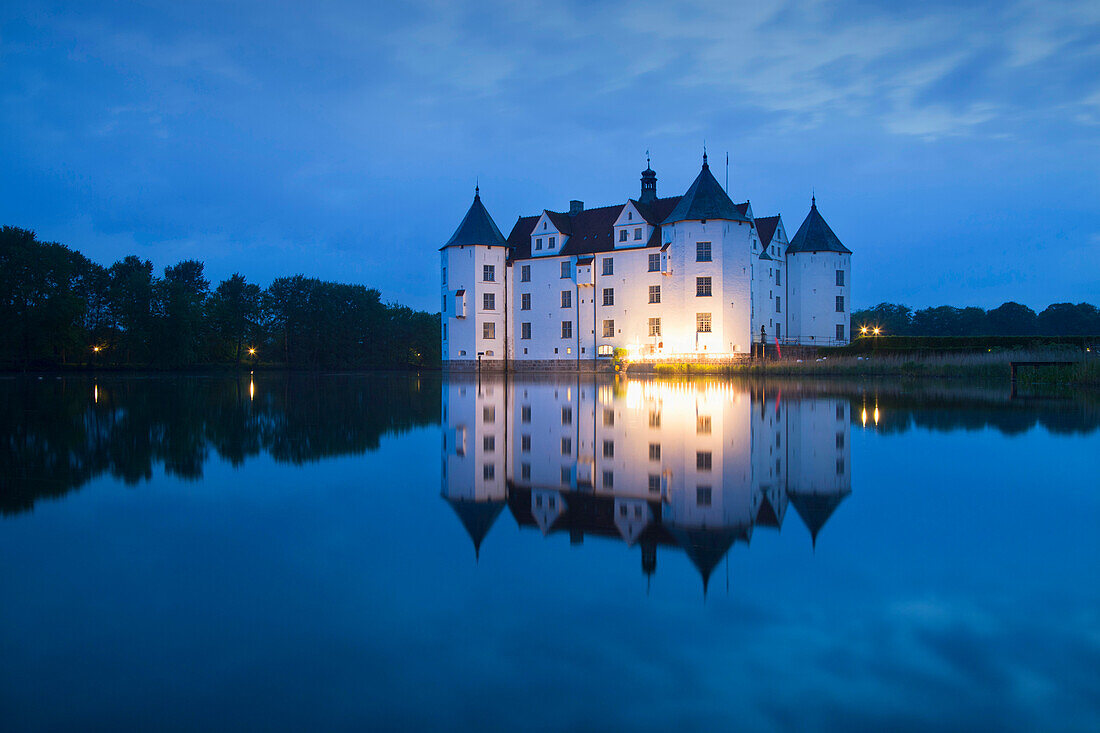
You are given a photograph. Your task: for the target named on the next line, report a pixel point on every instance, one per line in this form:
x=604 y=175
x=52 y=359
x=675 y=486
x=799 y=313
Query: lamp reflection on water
x=251 y=388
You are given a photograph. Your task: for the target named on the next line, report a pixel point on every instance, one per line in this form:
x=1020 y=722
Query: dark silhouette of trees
x=60 y=308
x=1009 y=319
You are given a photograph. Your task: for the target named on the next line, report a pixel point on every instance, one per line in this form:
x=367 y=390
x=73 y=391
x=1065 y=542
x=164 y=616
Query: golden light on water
x=251 y=388
x=95 y=394
x=863 y=417
x=876 y=415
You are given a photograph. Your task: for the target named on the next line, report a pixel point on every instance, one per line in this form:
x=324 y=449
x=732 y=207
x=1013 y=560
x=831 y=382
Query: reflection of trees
x=54 y=437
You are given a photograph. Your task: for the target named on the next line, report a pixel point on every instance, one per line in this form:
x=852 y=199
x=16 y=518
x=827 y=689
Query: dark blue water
x=298 y=553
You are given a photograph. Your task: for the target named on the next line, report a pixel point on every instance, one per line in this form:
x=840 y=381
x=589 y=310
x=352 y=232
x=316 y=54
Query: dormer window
x=550 y=243
x=622 y=235
x=637 y=233
x=538 y=243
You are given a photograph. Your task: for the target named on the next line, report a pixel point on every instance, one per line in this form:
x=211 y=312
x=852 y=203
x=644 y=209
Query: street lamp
x=251 y=350
x=863 y=330
x=877 y=330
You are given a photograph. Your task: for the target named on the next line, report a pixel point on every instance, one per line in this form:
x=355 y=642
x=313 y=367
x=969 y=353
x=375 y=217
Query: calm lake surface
x=391 y=552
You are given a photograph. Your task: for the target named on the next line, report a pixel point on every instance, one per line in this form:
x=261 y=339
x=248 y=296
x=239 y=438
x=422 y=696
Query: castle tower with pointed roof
x=696 y=276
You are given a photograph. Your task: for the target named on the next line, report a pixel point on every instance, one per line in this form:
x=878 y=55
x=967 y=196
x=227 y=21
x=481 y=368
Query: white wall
x=812 y=292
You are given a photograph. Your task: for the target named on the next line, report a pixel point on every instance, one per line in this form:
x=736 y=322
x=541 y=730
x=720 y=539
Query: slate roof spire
x=815 y=235
x=649 y=183
x=477 y=226
x=706 y=199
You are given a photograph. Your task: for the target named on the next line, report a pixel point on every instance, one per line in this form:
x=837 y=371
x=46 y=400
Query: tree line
x=61 y=309
x=1008 y=319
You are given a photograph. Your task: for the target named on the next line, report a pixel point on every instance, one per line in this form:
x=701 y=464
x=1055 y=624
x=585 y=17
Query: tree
x=180 y=309
x=1011 y=319
x=234 y=314
x=1067 y=319
x=130 y=293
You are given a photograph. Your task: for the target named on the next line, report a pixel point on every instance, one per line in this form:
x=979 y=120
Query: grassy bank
x=989 y=366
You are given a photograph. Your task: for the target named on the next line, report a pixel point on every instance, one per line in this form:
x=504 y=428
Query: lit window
x=489 y=330
x=654 y=326
x=702 y=424
x=702 y=322
x=608 y=329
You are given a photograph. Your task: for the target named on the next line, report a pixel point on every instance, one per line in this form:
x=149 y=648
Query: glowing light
x=251 y=350
x=97 y=349
x=876 y=416
x=863 y=330
x=877 y=330
x=251 y=389
x=95 y=394
x=863 y=417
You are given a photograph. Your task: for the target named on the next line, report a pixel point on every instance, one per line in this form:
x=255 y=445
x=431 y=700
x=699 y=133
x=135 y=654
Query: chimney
x=575 y=207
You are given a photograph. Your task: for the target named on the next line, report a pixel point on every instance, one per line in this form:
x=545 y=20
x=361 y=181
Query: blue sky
x=955 y=148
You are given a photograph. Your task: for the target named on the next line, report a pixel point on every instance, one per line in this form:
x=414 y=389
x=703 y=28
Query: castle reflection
x=690 y=466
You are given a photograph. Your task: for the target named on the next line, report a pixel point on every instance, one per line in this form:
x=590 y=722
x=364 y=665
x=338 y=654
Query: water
x=392 y=552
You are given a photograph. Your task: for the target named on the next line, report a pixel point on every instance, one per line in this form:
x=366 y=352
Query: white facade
x=687 y=275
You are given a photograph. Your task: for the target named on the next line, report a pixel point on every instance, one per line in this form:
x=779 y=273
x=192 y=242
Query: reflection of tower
x=769 y=451
x=819 y=477
x=474 y=454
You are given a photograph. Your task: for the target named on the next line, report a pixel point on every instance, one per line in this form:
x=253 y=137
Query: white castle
x=694 y=275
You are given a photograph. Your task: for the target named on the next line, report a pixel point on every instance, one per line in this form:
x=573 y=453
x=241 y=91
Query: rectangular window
x=778 y=304
x=443 y=310
x=609 y=449
x=608 y=266
x=566 y=476
x=637 y=234
x=839 y=466
x=702 y=496
x=654 y=419
x=538 y=243
x=840 y=332
x=702 y=322
x=840 y=278
x=488 y=273
x=567 y=416
x=488 y=471
x=622 y=235
x=608 y=417
x=489 y=301
x=702 y=286
x=567 y=329
x=565 y=271
x=608 y=329
x=702 y=425
x=778 y=331
x=488 y=330
x=489 y=443
x=654 y=451
x=609 y=296
x=444 y=331
x=608 y=480
x=525 y=443
x=566 y=446
x=702 y=252
x=551 y=242
x=525 y=330
x=525 y=301
x=444 y=277
x=525 y=413
x=655 y=263
x=654 y=326
x=703 y=460
x=840 y=440
x=778 y=277
x=525 y=471
x=840 y=304
x=567 y=299
x=489 y=415
x=525 y=274
x=654 y=293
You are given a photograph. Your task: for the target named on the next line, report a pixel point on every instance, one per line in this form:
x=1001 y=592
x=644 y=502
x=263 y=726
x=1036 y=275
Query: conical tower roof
x=705 y=200
x=815 y=509
x=477 y=227
x=706 y=547
x=815 y=235
x=477 y=517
